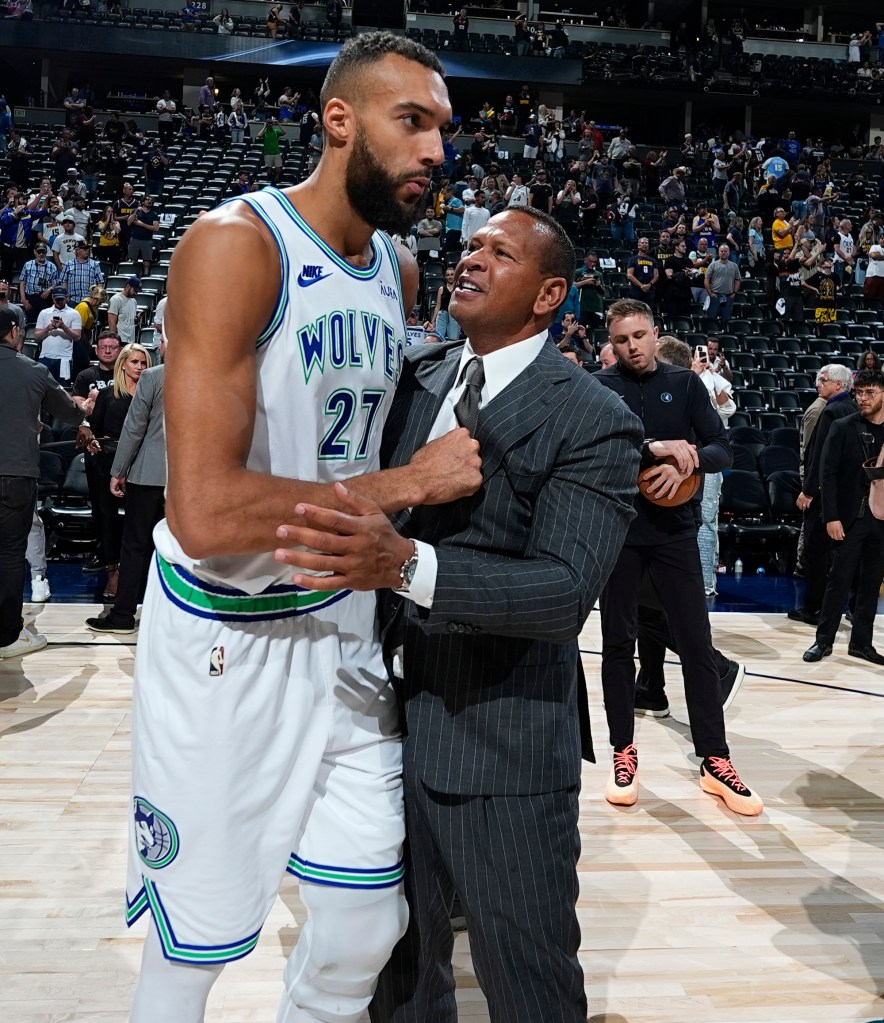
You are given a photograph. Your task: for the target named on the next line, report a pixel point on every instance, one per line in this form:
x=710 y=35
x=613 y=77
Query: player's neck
x=326 y=210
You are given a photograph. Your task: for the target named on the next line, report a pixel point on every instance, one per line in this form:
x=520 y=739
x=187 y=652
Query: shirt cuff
x=423 y=585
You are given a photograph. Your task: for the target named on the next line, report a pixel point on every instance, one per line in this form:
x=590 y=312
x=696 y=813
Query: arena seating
x=200 y=176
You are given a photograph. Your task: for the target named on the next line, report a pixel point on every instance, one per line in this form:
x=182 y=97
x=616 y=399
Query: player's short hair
x=674 y=351
x=868 y=378
x=624 y=307
x=369 y=48
x=556 y=252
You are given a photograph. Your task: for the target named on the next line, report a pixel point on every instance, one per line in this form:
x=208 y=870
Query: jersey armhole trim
x=282 y=300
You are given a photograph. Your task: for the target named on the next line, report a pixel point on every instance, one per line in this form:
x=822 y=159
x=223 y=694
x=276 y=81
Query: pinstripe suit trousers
x=513 y=862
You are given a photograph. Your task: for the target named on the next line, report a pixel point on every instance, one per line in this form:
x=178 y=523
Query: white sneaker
x=27 y=643
x=40 y=591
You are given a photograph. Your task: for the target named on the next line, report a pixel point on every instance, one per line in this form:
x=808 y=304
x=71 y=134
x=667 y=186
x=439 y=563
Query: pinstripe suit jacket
x=492 y=669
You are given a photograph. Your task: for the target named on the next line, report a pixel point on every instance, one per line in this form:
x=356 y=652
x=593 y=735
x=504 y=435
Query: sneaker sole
x=619 y=800
x=735 y=688
x=112 y=632
x=617 y=796
x=739 y=804
x=34 y=648
x=653 y=713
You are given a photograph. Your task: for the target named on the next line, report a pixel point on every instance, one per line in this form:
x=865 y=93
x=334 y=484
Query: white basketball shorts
x=265 y=739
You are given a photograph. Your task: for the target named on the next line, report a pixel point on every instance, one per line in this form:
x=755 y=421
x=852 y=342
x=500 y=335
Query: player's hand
x=450 y=467
x=664 y=479
x=684 y=454
x=803 y=502
x=835 y=530
x=357 y=545
x=118 y=486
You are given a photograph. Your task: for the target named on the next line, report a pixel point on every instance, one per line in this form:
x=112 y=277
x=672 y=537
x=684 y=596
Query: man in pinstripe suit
x=486 y=597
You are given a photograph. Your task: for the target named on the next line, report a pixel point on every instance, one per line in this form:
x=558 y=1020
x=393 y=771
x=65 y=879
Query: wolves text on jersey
x=341 y=340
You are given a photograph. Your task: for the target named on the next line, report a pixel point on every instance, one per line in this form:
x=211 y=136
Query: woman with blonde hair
x=88 y=308
x=274 y=17
x=107 y=420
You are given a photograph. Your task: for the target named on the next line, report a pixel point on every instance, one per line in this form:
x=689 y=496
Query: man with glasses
x=38 y=276
x=833 y=384
x=26 y=390
x=857 y=536
x=95 y=378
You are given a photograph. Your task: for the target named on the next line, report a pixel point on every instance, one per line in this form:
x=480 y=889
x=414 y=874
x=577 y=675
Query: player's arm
x=544 y=592
x=215 y=505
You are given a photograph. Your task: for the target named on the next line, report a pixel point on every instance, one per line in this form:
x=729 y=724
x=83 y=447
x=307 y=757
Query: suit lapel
x=521 y=407
x=425 y=382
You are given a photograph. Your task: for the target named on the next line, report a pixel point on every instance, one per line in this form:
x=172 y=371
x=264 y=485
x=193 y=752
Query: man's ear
x=552 y=294
x=339 y=121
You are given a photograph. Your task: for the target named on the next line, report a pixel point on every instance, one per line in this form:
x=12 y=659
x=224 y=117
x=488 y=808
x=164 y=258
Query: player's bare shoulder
x=230 y=239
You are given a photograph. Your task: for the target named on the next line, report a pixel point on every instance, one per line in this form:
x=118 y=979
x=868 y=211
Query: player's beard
x=371 y=190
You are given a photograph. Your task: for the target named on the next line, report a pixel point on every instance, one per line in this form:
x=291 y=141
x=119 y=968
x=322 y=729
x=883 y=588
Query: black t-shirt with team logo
x=827 y=286
x=93 y=377
x=790 y=284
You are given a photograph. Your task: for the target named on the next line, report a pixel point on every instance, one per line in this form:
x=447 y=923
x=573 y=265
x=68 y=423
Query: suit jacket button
x=452 y=627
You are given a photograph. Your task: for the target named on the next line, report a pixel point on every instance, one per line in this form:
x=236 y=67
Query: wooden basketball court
x=689 y=913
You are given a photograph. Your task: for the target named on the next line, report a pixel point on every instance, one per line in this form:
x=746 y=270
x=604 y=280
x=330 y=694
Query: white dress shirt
x=501 y=369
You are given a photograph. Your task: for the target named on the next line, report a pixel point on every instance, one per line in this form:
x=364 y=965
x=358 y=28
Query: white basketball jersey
x=328 y=363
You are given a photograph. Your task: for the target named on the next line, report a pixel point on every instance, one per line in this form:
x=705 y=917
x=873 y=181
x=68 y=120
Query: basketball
x=686 y=489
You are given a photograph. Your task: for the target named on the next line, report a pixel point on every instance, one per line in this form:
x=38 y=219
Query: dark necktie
x=466 y=411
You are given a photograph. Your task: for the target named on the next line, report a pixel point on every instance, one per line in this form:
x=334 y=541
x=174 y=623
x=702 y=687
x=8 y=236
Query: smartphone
x=701 y=352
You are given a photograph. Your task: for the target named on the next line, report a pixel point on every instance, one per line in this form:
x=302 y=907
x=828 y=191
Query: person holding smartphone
x=58 y=328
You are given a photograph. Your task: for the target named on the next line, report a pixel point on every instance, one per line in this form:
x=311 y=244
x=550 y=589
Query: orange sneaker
x=622 y=787
x=719 y=777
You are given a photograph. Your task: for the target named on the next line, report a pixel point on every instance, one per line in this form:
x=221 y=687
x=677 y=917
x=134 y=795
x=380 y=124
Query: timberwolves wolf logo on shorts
x=155 y=835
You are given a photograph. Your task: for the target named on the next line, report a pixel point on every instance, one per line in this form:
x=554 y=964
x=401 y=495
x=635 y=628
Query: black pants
x=166 y=130
x=18 y=496
x=654 y=637
x=105 y=507
x=817 y=557
x=857 y=560
x=674 y=569
x=144 y=509
x=512 y=860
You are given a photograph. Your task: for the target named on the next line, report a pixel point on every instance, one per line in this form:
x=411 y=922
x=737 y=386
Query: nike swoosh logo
x=305 y=282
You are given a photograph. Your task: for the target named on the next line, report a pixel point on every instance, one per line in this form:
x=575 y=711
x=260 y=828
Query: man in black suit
x=833 y=383
x=858 y=536
x=490 y=596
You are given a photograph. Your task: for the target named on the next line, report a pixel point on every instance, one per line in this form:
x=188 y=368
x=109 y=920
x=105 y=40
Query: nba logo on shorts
x=216 y=662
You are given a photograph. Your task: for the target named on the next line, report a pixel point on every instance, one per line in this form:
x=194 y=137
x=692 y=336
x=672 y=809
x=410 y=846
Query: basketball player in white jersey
x=264 y=729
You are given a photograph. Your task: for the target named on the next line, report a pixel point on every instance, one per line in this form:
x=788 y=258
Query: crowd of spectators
x=686 y=228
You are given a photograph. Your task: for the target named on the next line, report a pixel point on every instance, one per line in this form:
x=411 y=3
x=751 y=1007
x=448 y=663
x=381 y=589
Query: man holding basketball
x=683 y=435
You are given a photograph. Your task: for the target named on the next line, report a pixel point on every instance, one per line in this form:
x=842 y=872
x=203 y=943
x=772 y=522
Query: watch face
x=410 y=569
